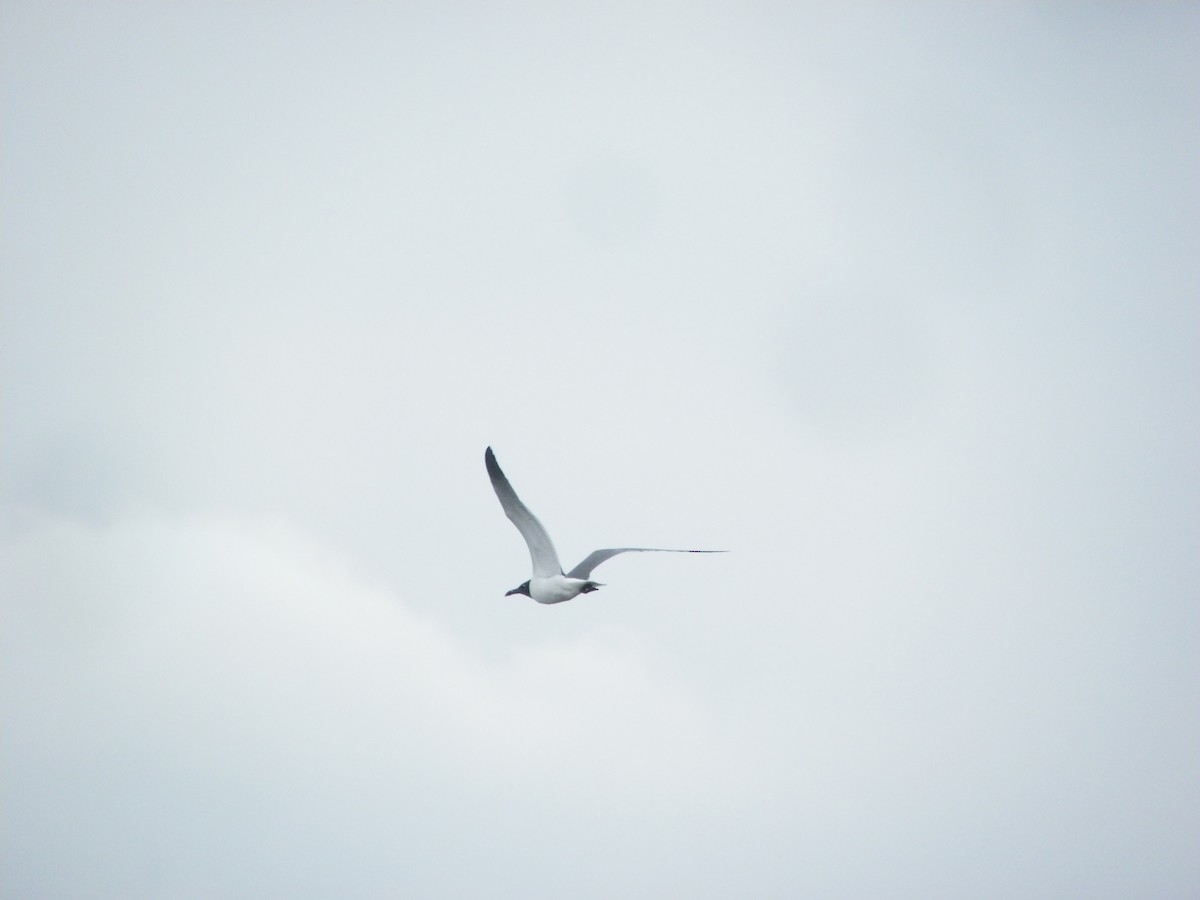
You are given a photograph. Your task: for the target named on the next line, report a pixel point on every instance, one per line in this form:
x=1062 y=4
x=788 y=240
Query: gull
x=549 y=583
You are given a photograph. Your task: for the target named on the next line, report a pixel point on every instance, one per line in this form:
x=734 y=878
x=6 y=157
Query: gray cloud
x=897 y=305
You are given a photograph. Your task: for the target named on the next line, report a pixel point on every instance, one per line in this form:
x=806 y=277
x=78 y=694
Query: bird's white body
x=556 y=588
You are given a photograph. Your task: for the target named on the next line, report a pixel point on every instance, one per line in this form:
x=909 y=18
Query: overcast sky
x=899 y=304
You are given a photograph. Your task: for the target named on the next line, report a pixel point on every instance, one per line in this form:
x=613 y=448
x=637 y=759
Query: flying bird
x=549 y=583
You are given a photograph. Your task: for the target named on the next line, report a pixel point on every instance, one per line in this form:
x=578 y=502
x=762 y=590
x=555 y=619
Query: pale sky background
x=900 y=304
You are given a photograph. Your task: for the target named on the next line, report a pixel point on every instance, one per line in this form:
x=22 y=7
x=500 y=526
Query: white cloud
x=169 y=666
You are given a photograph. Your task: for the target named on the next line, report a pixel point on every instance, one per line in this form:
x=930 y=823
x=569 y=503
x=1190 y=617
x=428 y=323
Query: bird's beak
x=513 y=591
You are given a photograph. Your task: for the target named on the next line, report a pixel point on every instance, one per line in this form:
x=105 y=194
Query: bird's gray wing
x=541 y=550
x=584 y=569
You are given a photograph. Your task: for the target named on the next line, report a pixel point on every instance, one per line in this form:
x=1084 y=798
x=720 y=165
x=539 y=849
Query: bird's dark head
x=522 y=589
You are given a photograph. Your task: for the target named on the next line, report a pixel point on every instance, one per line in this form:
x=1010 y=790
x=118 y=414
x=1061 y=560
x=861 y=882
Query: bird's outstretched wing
x=541 y=550
x=584 y=569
